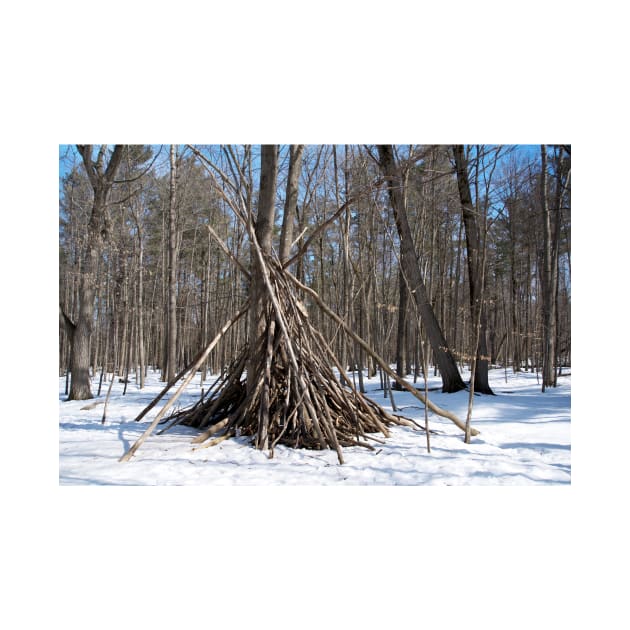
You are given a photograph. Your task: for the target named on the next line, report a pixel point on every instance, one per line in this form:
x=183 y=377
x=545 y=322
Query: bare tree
x=549 y=281
x=451 y=378
x=263 y=230
x=475 y=271
x=140 y=300
x=172 y=269
x=101 y=176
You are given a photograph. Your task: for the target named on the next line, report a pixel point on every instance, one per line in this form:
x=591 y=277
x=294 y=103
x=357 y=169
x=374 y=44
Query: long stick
x=129 y=454
x=109 y=391
x=438 y=410
x=227 y=252
x=159 y=397
x=320 y=228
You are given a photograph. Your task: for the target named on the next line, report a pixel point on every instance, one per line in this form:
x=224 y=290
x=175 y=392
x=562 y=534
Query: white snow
x=525 y=438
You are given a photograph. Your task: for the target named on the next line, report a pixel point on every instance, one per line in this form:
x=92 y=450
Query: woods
x=419 y=257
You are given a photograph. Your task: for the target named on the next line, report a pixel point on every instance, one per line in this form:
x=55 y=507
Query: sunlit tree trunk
x=401 y=335
x=172 y=270
x=263 y=229
x=451 y=378
x=475 y=271
x=290 y=205
x=548 y=282
x=140 y=298
x=101 y=179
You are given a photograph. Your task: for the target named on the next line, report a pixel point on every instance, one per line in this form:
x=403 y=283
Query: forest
x=286 y=277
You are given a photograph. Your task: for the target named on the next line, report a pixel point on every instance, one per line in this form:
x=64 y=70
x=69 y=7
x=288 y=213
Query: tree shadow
x=535 y=445
x=69 y=480
x=125 y=442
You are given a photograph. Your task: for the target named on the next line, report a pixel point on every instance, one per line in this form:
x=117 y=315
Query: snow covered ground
x=525 y=438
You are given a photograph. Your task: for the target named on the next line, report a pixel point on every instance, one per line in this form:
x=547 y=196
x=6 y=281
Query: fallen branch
x=410 y=388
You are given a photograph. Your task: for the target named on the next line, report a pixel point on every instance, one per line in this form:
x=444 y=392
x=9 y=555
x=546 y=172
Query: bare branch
x=227 y=252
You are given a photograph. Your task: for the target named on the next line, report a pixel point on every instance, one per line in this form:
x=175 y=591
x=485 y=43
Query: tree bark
x=562 y=175
x=141 y=343
x=474 y=257
x=290 y=204
x=172 y=269
x=403 y=298
x=101 y=179
x=451 y=378
x=263 y=230
x=548 y=282
x=514 y=290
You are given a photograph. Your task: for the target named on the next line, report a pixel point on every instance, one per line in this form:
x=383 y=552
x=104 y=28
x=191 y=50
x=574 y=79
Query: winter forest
x=285 y=281
x=314 y=299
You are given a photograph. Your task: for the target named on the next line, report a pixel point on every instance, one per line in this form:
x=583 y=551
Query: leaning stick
x=227 y=252
x=129 y=454
x=438 y=410
x=165 y=389
x=322 y=226
x=109 y=391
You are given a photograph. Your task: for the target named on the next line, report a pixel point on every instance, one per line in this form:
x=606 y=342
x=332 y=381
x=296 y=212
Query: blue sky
x=68 y=155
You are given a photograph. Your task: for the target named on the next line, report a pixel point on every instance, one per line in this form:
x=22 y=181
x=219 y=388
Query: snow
x=525 y=439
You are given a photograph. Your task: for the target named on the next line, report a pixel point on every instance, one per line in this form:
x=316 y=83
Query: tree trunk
x=514 y=295
x=263 y=229
x=403 y=296
x=172 y=270
x=562 y=181
x=101 y=179
x=141 y=344
x=474 y=258
x=451 y=378
x=547 y=282
x=290 y=204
